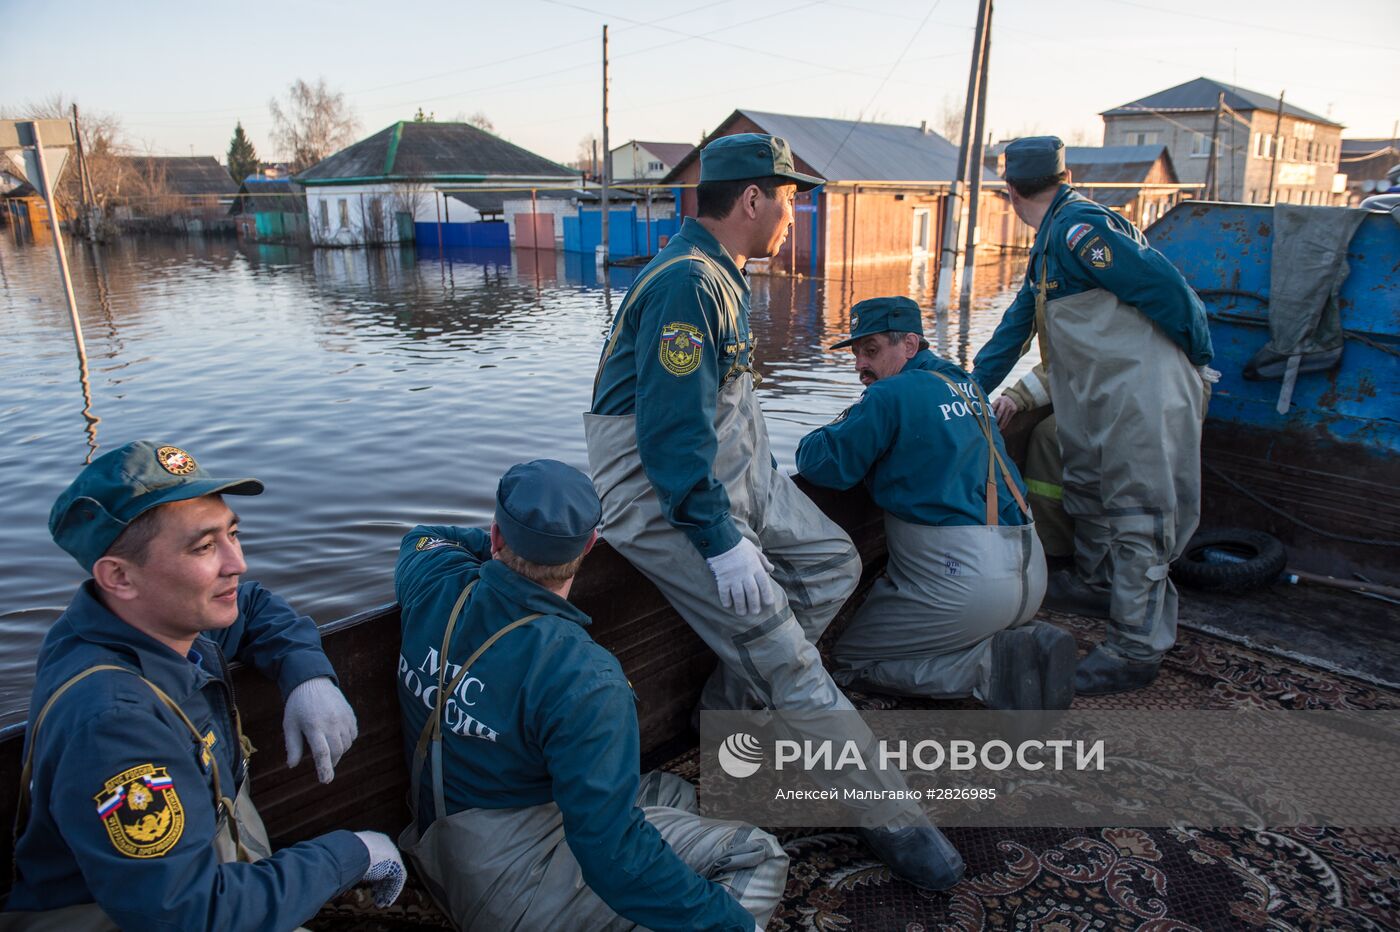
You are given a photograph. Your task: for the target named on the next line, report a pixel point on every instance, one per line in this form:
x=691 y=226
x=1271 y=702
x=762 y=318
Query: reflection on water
x=369 y=389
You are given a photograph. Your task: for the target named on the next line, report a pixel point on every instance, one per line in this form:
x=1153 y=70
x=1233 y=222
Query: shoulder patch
x=432 y=543
x=1077 y=233
x=141 y=811
x=1097 y=254
x=681 y=348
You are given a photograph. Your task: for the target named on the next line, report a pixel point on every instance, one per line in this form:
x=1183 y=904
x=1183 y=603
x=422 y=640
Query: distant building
x=395 y=185
x=636 y=161
x=270 y=210
x=1365 y=163
x=1307 y=146
x=174 y=193
x=882 y=200
x=1122 y=166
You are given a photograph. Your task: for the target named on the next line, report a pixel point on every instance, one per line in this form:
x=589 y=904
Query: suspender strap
x=1042 y=288
x=430 y=740
x=221 y=802
x=994 y=458
x=627 y=302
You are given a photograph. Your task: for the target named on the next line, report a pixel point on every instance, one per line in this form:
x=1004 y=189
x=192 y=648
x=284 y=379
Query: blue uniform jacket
x=918 y=445
x=1087 y=246
x=678 y=340
x=545 y=714
x=110 y=745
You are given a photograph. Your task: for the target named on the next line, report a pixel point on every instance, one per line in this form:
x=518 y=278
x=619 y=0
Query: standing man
x=134 y=807
x=691 y=493
x=522 y=740
x=1125 y=345
x=951 y=617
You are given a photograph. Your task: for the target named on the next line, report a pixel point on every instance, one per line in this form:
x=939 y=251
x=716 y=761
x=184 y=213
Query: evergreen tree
x=242 y=157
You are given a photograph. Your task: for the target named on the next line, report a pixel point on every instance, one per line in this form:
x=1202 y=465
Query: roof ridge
x=393 y=148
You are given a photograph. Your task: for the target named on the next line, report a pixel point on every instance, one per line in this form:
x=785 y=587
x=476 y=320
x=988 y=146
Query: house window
x=655 y=166
x=344 y=213
x=1200 y=145
x=1144 y=138
x=1262 y=145
x=325 y=214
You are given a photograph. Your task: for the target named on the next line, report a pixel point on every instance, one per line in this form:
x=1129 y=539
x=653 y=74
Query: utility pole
x=607 y=157
x=949 y=246
x=975 y=172
x=1278 y=144
x=1213 y=168
x=52 y=201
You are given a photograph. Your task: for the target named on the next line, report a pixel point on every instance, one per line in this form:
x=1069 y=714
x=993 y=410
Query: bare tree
x=312 y=123
x=104 y=146
x=950 y=117
x=1079 y=137
x=481 y=121
x=584 y=155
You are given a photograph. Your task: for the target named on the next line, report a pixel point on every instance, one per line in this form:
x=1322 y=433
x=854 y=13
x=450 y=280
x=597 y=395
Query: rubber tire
x=1264 y=556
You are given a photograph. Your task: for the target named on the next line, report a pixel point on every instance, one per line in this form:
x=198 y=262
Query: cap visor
x=844 y=343
x=804 y=182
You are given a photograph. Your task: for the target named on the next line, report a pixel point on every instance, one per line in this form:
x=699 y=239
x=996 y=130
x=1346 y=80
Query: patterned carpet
x=1089 y=880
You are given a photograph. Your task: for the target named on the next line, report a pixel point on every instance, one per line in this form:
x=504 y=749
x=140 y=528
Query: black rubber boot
x=1056 y=656
x=1102 y=673
x=1015 y=680
x=921 y=856
x=1066 y=592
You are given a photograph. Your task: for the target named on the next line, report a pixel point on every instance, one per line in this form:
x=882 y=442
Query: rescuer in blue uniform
x=134 y=805
x=522 y=741
x=1125 y=345
x=691 y=493
x=951 y=616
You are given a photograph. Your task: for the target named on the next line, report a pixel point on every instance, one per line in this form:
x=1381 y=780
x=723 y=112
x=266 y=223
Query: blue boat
x=1321 y=476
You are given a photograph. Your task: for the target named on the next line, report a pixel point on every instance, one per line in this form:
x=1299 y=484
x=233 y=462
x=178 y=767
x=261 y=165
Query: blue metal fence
x=488 y=234
x=627 y=231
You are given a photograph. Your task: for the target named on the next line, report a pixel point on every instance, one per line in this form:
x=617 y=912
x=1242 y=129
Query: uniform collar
x=94 y=622
x=1062 y=197
x=695 y=233
x=923 y=359
x=529 y=596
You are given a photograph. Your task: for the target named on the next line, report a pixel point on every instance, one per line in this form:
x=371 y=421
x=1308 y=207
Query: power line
x=1254 y=25
x=883 y=82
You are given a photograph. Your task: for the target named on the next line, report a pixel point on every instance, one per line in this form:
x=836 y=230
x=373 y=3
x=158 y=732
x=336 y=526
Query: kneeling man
x=951 y=617
x=134 y=808
x=522 y=739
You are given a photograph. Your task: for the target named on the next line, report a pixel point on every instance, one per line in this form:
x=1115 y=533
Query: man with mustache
x=951 y=616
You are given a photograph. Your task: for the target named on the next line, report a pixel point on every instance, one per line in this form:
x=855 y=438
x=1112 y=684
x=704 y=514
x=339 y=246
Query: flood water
x=370 y=390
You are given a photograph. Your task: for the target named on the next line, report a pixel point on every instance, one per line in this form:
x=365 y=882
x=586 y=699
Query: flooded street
x=370 y=391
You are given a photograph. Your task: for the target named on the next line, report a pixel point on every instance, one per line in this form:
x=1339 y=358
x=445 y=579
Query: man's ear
x=749 y=200
x=911 y=345
x=1069 y=176
x=115 y=577
x=496 y=539
x=593 y=539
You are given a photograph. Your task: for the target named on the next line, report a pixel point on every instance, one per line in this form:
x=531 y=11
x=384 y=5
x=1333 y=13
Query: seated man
x=134 y=756
x=523 y=745
x=952 y=615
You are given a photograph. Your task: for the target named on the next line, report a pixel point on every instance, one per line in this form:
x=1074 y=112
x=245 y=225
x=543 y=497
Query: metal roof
x=431 y=152
x=850 y=150
x=185 y=174
x=668 y=152
x=1113 y=164
x=266 y=195
x=1202 y=93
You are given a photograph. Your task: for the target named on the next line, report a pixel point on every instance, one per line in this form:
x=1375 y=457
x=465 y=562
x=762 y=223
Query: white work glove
x=1208 y=375
x=317 y=710
x=386 y=873
x=742 y=575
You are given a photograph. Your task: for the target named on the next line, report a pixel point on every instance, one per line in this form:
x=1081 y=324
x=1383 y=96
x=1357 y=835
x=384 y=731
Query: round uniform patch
x=141 y=811
x=175 y=461
x=681 y=347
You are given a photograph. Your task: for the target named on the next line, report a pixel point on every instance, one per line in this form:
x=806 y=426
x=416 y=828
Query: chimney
x=923 y=127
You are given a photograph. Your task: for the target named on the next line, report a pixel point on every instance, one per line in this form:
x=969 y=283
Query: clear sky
x=180 y=73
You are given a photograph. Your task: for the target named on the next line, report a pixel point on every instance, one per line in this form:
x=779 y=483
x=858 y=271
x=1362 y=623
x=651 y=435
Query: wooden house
x=882 y=202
